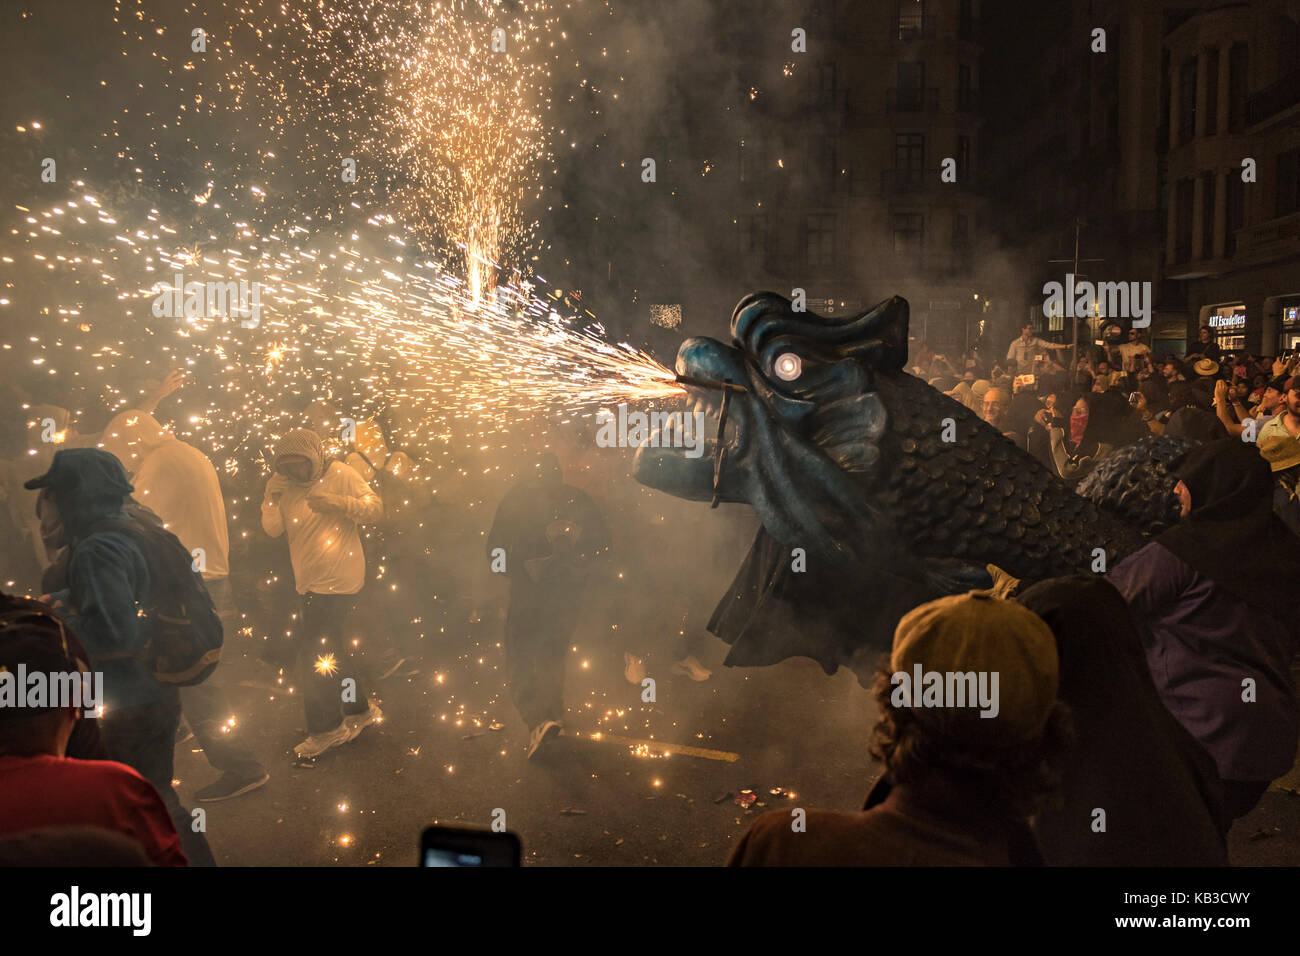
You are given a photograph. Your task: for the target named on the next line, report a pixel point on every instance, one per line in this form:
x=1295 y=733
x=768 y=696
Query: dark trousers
x=144 y=738
x=325 y=661
x=539 y=624
x=208 y=715
x=205 y=707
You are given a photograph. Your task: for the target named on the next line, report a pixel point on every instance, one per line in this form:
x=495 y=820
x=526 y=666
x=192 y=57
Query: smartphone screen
x=456 y=846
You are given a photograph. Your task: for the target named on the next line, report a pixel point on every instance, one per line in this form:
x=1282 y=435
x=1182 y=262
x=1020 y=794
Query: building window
x=1187 y=101
x=751 y=236
x=965 y=21
x=826 y=89
x=819 y=240
x=909 y=234
x=1183 y=226
x=911 y=19
x=965 y=98
x=1211 y=91
x=911 y=87
x=909 y=151
x=822 y=152
x=1288 y=182
x=963 y=159
x=752 y=160
x=1207 y=214
x=1237 y=62
x=1236 y=212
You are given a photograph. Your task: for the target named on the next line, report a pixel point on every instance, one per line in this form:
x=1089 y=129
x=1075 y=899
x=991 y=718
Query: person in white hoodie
x=319 y=507
x=178 y=483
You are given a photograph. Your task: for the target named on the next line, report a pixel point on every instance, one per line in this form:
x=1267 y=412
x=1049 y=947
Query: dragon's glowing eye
x=788 y=367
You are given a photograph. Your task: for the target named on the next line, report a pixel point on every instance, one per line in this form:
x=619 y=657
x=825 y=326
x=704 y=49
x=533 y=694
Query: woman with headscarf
x=1213 y=599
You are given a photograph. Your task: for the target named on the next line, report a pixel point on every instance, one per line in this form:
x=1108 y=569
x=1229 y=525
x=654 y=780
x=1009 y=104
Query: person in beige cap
x=969 y=732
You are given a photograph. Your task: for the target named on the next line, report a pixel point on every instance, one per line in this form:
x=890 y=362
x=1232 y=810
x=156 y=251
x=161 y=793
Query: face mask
x=51 y=523
x=1078 y=424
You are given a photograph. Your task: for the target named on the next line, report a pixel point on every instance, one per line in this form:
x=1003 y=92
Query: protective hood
x=88 y=485
x=131 y=436
x=302 y=442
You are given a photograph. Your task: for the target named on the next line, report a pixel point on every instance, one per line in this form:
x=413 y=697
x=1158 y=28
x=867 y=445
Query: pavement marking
x=704 y=752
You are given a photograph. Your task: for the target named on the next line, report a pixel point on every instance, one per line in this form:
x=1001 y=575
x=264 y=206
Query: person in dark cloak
x=1157 y=787
x=1214 y=601
x=548 y=534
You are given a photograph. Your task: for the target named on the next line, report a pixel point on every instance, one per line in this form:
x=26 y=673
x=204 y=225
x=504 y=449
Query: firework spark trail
x=402 y=331
x=441 y=105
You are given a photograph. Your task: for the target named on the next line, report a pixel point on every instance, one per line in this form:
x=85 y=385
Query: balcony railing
x=1282 y=231
x=913 y=26
x=912 y=99
x=1272 y=100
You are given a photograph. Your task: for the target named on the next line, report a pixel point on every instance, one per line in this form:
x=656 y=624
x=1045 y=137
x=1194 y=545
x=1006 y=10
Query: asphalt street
x=451 y=750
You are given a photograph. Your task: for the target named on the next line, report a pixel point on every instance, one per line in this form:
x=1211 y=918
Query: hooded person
x=109 y=580
x=970 y=733
x=1213 y=600
x=1129 y=757
x=178 y=483
x=407 y=533
x=1076 y=444
x=544 y=537
x=319 y=506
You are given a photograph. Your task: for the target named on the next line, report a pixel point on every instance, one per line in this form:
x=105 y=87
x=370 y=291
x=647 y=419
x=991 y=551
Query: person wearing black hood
x=81 y=504
x=1213 y=598
x=549 y=534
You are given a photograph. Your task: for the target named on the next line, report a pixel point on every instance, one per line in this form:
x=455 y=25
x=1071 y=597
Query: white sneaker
x=633 y=668
x=690 y=667
x=355 y=723
x=547 y=730
x=317 y=744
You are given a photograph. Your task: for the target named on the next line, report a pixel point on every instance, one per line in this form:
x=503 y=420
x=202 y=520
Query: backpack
x=183 y=634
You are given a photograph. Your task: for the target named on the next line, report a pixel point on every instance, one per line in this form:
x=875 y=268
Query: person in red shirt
x=41 y=787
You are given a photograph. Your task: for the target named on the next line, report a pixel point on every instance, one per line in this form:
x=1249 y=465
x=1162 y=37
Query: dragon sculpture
x=876 y=491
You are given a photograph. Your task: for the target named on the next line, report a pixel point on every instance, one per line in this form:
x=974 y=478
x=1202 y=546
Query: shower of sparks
x=407 y=295
x=345 y=329
x=440 y=106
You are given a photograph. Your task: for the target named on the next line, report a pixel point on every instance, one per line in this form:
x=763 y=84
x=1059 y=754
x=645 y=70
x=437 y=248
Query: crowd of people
x=1072 y=415
x=1149 y=707
x=1183 y=651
